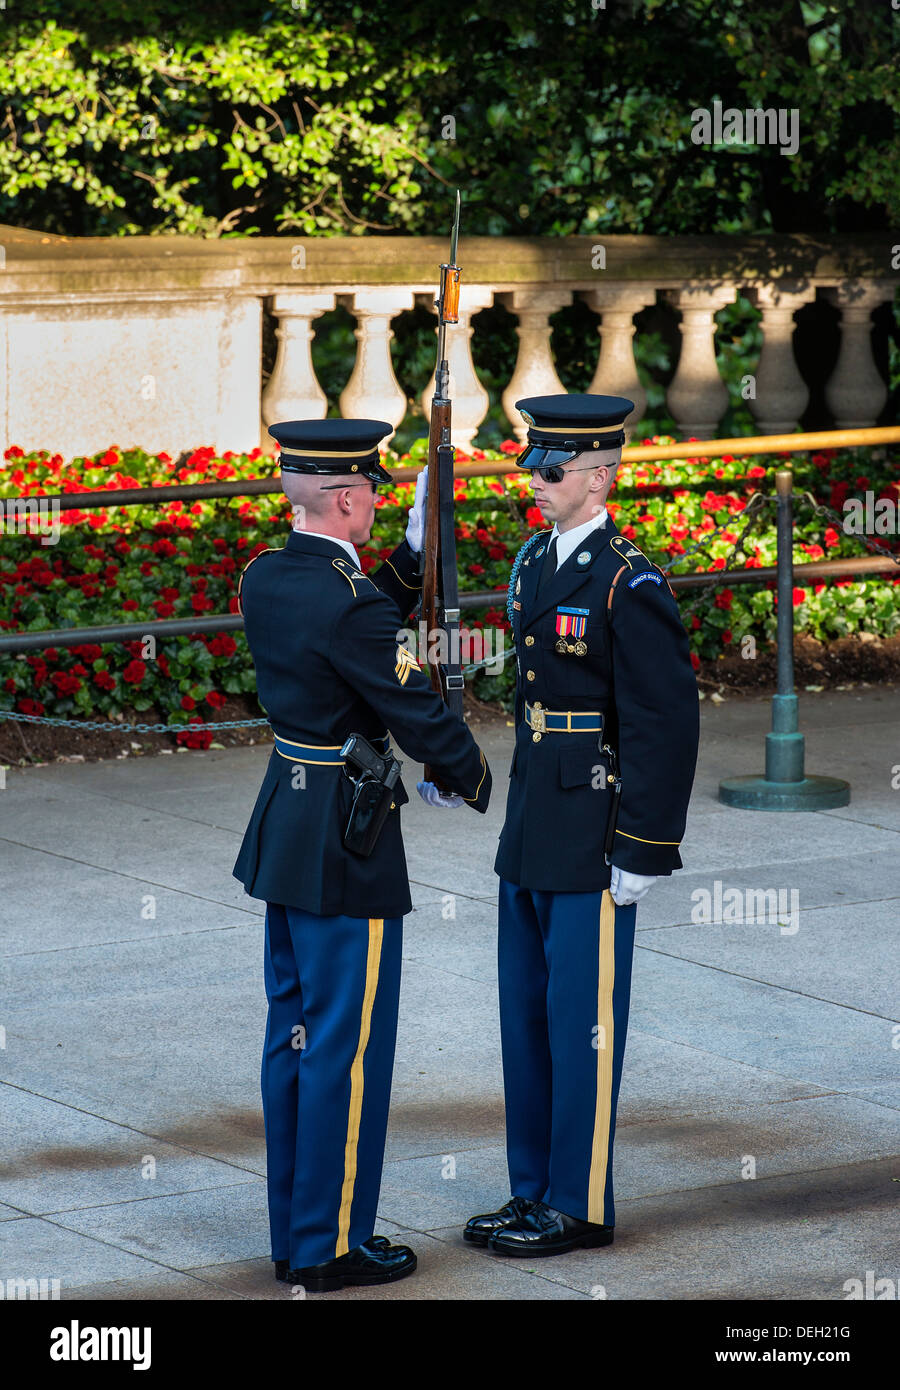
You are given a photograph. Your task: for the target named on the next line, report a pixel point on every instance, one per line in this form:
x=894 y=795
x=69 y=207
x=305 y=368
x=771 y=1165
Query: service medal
x=571 y=624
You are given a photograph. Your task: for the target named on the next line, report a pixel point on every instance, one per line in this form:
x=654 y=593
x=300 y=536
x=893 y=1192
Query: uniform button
x=529 y=675
x=536 y=738
x=529 y=641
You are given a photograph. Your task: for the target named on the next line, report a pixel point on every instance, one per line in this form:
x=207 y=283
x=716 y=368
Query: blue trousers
x=565 y=986
x=333 y=986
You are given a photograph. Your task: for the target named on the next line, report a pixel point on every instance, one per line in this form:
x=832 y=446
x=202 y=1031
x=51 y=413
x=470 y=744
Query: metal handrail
x=743 y=446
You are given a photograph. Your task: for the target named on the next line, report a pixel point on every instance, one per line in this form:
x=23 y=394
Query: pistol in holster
x=616 y=786
x=374 y=777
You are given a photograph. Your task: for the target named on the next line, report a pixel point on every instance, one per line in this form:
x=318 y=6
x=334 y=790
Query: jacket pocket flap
x=579 y=767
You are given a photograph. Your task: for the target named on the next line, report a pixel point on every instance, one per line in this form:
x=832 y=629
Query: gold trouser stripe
x=647 y=842
x=606 y=979
x=373 y=962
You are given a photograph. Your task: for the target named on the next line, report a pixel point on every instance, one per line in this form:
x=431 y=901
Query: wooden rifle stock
x=439 y=612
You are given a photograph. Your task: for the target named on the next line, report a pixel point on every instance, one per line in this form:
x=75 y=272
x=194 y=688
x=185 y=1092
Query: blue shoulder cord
x=514 y=573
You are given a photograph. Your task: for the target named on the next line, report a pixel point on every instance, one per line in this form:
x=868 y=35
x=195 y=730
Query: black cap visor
x=539 y=456
x=370 y=468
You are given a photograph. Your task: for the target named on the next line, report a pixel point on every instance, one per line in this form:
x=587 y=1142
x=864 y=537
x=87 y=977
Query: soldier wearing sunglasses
x=606 y=723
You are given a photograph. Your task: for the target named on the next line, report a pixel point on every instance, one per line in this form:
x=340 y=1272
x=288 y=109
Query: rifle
x=440 y=586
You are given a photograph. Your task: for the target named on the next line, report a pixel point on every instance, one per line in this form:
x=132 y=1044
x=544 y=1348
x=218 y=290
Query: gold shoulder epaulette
x=269 y=550
x=351 y=573
x=627 y=550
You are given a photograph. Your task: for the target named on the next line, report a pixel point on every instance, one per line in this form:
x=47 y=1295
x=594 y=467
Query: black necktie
x=549 y=569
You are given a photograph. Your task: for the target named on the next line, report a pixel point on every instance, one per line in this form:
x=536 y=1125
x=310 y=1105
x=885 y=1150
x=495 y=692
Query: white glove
x=415 y=525
x=432 y=797
x=628 y=888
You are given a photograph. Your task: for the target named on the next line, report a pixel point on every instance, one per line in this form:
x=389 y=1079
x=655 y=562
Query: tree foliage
x=328 y=117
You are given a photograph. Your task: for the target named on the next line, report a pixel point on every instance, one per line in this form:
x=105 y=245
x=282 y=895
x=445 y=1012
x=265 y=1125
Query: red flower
x=134 y=672
x=476 y=569
x=65 y=684
x=831 y=537
x=695 y=661
x=509 y=446
x=534 y=517
x=163 y=609
x=799 y=597
x=216 y=699
x=756 y=471
x=222 y=645
x=129 y=605
x=201 y=739
x=695 y=622
x=31 y=707
x=726 y=637
x=629 y=532
x=187 y=702
x=78 y=669
x=104 y=680
x=724 y=599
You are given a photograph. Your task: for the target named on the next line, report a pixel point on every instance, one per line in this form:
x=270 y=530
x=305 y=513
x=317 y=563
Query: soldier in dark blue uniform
x=606 y=742
x=324 y=640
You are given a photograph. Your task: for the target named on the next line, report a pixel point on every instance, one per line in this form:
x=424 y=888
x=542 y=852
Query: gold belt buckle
x=538 y=719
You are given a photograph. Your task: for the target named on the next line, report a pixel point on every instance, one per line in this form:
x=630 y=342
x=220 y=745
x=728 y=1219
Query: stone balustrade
x=157 y=341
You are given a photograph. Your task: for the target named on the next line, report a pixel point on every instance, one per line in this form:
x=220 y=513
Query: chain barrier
x=114 y=727
x=821 y=509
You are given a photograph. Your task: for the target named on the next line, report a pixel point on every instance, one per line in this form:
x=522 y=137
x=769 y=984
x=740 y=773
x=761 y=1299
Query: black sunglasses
x=336 y=487
x=553 y=473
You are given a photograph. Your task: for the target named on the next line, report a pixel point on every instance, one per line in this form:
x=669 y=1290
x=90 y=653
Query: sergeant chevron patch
x=406 y=662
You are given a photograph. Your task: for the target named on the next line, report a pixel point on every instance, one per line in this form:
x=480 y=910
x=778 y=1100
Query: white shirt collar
x=568 y=541
x=338 y=540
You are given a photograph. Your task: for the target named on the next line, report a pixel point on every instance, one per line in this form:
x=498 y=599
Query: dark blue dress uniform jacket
x=637 y=672
x=324 y=640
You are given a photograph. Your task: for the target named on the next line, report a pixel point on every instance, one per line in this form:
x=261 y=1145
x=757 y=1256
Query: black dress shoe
x=376 y=1261
x=545 y=1231
x=479 y=1230
x=283 y=1267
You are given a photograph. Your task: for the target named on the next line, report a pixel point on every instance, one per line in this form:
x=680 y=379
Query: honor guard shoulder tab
x=270 y=550
x=352 y=574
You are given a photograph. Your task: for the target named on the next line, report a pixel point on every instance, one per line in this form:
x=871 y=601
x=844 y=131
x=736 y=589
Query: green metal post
x=785 y=786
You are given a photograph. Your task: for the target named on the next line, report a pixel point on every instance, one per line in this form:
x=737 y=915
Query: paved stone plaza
x=131 y=1140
